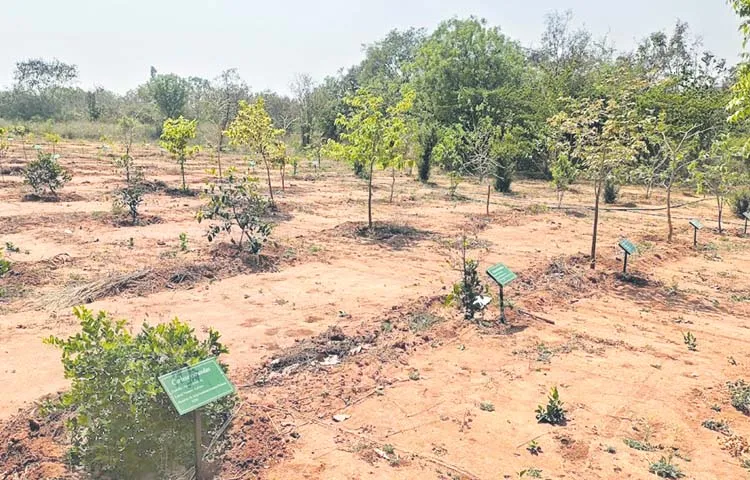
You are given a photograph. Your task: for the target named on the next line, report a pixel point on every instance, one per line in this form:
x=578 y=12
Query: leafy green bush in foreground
x=123 y=424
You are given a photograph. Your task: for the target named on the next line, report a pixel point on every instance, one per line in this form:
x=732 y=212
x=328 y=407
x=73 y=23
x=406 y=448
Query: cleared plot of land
x=416 y=380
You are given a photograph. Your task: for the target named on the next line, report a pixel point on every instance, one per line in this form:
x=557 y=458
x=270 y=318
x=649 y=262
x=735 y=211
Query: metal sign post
x=502 y=276
x=747 y=216
x=697 y=225
x=629 y=249
x=191 y=388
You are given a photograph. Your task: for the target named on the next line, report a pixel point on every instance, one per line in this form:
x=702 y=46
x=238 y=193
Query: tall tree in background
x=303 y=88
x=384 y=71
x=253 y=128
x=170 y=93
x=740 y=103
x=229 y=89
x=466 y=71
x=38 y=86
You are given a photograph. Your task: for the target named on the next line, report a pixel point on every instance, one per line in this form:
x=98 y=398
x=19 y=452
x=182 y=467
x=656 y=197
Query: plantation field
x=329 y=322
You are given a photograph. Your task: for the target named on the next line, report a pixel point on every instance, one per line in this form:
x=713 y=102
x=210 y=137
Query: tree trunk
x=268 y=176
x=669 y=212
x=218 y=153
x=282 y=170
x=393 y=182
x=649 y=185
x=182 y=171
x=369 y=196
x=487 y=206
x=597 y=192
x=720 y=207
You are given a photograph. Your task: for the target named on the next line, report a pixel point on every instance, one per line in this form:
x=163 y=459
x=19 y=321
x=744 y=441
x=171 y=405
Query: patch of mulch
x=396 y=236
x=331 y=343
x=60 y=197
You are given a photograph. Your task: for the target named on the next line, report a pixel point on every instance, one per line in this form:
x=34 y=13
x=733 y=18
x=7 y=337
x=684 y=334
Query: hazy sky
x=114 y=42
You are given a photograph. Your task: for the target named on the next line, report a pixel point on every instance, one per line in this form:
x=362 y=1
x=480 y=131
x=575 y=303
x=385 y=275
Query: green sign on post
x=191 y=388
x=503 y=276
x=628 y=246
x=697 y=225
x=629 y=249
x=747 y=217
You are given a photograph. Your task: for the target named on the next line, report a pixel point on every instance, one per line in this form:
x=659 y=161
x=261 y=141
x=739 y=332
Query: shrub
x=131 y=198
x=717 y=426
x=45 y=173
x=611 y=191
x=4 y=265
x=553 y=413
x=124 y=425
x=665 y=469
x=235 y=202
x=740 y=393
x=740 y=201
x=690 y=341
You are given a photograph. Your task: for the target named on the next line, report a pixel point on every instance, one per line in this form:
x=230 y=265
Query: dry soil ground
x=414 y=379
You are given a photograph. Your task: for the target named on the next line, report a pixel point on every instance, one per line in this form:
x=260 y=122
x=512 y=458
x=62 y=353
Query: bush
x=553 y=413
x=131 y=198
x=611 y=191
x=124 y=425
x=45 y=173
x=740 y=202
x=664 y=468
x=740 y=393
x=4 y=265
x=235 y=202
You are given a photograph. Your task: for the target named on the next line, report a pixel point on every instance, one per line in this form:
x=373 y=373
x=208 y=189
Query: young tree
x=235 y=202
x=45 y=173
x=253 y=128
x=175 y=136
x=131 y=195
x=604 y=135
x=373 y=134
x=564 y=173
x=718 y=172
x=678 y=150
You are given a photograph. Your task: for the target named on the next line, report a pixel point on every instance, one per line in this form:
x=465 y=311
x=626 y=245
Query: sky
x=115 y=42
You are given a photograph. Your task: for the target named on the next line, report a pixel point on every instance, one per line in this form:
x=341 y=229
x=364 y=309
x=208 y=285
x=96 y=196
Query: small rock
x=341 y=417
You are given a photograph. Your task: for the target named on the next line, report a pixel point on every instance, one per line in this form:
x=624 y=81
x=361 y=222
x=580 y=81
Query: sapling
x=234 y=204
x=46 y=173
x=690 y=341
x=553 y=413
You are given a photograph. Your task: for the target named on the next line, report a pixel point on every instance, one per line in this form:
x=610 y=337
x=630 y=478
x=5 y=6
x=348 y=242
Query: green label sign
x=501 y=274
x=696 y=224
x=191 y=388
x=628 y=246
